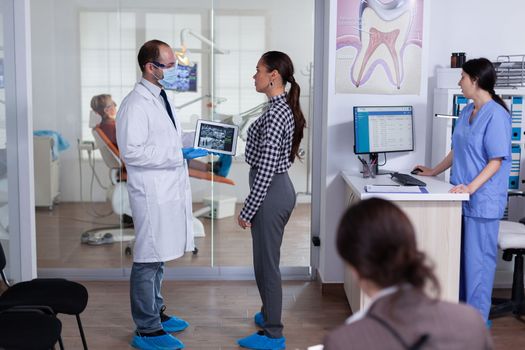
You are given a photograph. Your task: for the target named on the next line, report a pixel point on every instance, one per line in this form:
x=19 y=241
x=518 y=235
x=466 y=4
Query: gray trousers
x=267 y=235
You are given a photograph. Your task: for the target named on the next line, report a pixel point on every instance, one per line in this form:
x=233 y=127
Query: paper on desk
x=316 y=347
x=393 y=189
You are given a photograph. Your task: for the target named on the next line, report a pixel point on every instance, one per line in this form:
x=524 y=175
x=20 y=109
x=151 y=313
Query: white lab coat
x=158 y=182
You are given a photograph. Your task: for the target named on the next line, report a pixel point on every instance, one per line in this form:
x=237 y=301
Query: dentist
x=149 y=137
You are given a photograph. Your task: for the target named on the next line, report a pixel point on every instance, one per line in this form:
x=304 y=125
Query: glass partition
x=89 y=48
x=4 y=212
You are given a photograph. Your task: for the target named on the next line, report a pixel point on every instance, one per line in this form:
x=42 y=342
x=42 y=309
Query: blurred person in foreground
x=377 y=242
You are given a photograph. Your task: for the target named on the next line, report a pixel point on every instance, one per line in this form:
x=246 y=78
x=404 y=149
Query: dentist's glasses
x=163 y=66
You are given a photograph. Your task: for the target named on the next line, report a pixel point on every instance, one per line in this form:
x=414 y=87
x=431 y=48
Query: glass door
x=5 y=10
x=89 y=48
x=241 y=35
x=84 y=64
x=16 y=219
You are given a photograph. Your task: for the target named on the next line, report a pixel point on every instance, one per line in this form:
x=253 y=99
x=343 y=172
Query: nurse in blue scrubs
x=480 y=159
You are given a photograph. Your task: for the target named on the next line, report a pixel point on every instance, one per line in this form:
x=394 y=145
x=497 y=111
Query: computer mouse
x=416 y=171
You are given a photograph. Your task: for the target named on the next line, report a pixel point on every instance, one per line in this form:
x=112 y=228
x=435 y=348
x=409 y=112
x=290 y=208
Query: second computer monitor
x=186 y=78
x=383 y=129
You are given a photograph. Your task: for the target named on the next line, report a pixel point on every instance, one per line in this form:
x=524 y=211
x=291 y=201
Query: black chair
x=511 y=239
x=28 y=329
x=61 y=295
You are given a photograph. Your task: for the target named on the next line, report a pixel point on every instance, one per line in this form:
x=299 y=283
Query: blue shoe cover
x=258 y=318
x=174 y=324
x=488 y=324
x=161 y=342
x=261 y=342
x=226 y=163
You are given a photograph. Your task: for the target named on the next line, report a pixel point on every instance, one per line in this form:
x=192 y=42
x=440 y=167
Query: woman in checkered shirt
x=272 y=146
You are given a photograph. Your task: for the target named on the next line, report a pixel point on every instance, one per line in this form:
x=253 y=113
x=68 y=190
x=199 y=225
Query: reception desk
x=436 y=217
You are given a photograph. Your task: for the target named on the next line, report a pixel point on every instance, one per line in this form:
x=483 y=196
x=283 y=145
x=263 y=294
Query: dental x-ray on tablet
x=216 y=137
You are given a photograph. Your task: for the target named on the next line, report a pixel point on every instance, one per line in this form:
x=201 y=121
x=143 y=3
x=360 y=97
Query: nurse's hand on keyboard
x=422 y=170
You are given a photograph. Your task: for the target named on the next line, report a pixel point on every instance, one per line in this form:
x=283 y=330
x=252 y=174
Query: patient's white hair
x=100 y=102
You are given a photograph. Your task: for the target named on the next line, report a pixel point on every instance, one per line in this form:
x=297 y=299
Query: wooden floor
x=507 y=332
x=221 y=312
x=58 y=240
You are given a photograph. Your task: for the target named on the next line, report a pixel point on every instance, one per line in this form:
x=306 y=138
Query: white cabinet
x=46 y=172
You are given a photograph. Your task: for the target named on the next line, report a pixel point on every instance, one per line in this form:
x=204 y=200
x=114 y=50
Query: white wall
x=479 y=28
x=56 y=74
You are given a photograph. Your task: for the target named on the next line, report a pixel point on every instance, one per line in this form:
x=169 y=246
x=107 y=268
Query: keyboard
x=406 y=180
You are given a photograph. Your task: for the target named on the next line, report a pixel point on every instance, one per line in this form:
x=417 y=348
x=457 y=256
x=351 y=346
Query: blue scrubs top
x=488 y=137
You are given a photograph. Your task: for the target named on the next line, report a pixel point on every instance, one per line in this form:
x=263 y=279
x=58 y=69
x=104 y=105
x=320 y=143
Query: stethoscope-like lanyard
x=416 y=346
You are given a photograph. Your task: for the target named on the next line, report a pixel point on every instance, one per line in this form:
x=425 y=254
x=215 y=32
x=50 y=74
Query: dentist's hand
x=192 y=153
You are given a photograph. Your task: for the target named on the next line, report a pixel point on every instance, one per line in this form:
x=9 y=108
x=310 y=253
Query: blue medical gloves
x=223 y=165
x=192 y=153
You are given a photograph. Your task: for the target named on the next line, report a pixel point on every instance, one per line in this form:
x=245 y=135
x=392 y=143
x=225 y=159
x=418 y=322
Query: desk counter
x=436 y=217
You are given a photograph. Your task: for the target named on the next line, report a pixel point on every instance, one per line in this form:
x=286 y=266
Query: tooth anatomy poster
x=379 y=46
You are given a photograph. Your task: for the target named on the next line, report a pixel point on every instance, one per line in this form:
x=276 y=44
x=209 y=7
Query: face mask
x=171 y=77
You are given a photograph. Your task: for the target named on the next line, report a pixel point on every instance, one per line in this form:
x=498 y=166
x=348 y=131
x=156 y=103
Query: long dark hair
x=378 y=240
x=279 y=61
x=482 y=71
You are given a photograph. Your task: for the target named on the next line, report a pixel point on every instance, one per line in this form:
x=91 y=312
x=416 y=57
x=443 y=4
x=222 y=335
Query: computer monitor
x=187 y=78
x=382 y=129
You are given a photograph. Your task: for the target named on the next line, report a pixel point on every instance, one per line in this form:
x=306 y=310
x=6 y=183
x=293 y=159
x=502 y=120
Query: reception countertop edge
x=437 y=189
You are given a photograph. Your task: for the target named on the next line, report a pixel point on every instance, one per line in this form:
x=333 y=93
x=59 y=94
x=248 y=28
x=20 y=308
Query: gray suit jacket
x=394 y=324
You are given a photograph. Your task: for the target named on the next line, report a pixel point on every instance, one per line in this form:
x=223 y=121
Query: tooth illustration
x=383 y=31
x=376 y=39
x=387 y=11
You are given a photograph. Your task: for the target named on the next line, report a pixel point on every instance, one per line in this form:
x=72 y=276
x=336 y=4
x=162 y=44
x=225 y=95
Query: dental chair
x=118 y=194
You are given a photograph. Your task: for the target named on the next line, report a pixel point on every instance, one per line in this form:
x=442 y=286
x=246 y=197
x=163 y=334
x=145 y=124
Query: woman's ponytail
x=499 y=100
x=276 y=60
x=300 y=121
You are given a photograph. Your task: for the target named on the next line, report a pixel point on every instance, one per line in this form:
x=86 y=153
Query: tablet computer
x=216 y=137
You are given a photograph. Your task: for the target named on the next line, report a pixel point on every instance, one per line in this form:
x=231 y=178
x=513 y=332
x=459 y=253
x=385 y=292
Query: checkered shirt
x=268 y=149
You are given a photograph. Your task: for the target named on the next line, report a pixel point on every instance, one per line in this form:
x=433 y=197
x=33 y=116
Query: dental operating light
x=182 y=57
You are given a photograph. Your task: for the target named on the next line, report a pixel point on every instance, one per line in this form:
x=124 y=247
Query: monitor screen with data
x=383 y=129
x=186 y=78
